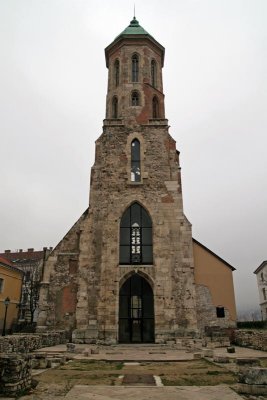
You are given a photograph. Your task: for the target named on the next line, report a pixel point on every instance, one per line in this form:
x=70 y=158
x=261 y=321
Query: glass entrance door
x=136 y=311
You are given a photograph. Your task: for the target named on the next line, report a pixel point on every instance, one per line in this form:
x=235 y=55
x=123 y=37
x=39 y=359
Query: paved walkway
x=81 y=392
x=146 y=352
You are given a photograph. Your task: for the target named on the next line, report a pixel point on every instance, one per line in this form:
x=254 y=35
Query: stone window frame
x=135 y=92
x=142 y=244
x=154 y=73
x=135 y=161
x=141 y=140
x=115 y=107
x=116 y=72
x=155 y=107
x=135 y=75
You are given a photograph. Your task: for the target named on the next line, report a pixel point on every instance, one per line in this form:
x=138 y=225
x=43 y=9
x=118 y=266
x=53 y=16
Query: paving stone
x=220 y=392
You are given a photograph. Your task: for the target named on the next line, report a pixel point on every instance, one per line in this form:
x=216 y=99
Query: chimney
x=20 y=250
x=30 y=250
x=50 y=248
x=7 y=251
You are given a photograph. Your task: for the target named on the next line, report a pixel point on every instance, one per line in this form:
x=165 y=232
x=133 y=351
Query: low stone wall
x=15 y=374
x=25 y=343
x=255 y=339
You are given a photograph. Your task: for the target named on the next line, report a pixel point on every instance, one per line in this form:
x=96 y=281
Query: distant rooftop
x=23 y=257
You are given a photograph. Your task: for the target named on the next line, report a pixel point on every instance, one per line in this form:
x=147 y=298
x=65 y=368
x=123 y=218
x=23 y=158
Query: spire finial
x=134 y=11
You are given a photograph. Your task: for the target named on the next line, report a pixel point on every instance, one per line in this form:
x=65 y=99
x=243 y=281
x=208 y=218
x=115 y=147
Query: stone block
x=231 y=349
x=221 y=359
x=255 y=390
x=197 y=356
x=247 y=362
x=70 y=347
x=253 y=376
x=208 y=353
x=170 y=342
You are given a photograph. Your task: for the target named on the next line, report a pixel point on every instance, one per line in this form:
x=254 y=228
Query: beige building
x=10 y=290
x=128 y=270
x=261 y=274
x=29 y=261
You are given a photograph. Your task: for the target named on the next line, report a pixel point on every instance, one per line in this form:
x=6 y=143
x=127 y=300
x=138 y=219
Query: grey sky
x=52 y=102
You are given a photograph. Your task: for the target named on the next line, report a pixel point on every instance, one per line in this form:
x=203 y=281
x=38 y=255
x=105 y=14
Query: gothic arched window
x=155 y=107
x=153 y=73
x=135 y=161
x=135 y=98
x=117 y=73
x=136 y=236
x=135 y=68
x=115 y=107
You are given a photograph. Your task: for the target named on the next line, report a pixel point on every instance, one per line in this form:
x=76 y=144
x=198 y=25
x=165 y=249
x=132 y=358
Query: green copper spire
x=133 y=32
x=133 y=29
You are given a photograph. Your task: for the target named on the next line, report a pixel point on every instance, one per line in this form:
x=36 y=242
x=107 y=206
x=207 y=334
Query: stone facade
x=26 y=343
x=256 y=339
x=84 y=275
x=15 y=374
x=261 y=274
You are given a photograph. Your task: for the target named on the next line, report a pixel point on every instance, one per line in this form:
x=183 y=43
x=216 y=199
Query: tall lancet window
x=135 y=161
x=155 y=107
x=135 y=68
x=115 y=107
x=136 y=236
x=117 y=73
x=153 y=73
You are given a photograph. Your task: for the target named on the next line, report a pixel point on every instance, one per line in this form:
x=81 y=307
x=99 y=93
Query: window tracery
x=136 y=236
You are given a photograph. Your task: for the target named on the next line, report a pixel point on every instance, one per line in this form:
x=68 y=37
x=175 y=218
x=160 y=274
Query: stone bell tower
x=125 y=270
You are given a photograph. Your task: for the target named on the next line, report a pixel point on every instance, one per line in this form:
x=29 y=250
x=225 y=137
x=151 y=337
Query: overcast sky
x=53 y=84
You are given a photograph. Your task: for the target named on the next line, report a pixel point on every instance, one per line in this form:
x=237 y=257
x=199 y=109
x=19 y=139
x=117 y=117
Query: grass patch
x=91 y=365
x=93 y=372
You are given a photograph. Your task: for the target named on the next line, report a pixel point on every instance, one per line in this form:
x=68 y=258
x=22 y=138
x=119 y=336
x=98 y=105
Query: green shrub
x=252 y=324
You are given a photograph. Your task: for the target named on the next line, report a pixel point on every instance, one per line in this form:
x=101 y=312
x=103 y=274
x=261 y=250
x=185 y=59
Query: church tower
x=125 y=271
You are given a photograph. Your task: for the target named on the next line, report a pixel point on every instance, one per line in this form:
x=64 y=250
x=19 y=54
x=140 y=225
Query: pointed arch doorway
x=136 y=311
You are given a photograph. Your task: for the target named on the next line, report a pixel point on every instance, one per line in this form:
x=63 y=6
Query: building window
x=262 y=277
x=135 y=161
x=220 y=312
x=27 y=276
x=264 y=293
x=135 y=98
x=136 y=236
x=153 y=73
x=1 y=285
x=117 y=73
x=155 y=107
x=115 y=107
x=135 y=68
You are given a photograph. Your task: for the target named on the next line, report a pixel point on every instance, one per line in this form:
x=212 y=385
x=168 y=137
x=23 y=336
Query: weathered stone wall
x=206 y=311
x=15 y=374
x=83 y=275
x=255 y=339
x=57 y=307
x=99 y=275
x=29 y=342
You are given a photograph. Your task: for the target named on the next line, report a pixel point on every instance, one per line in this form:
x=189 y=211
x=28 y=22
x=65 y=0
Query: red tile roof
x=5 y=261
